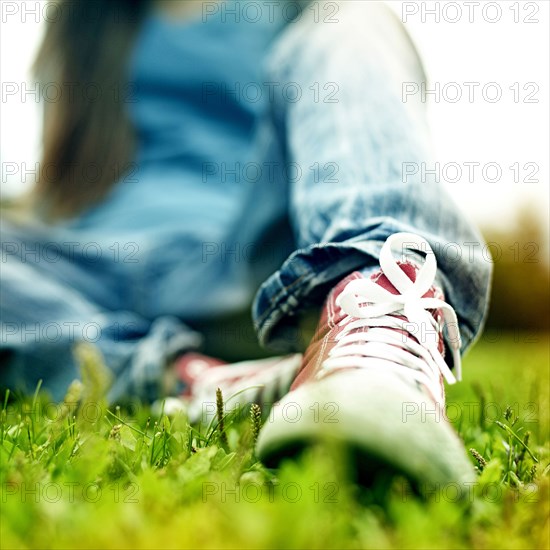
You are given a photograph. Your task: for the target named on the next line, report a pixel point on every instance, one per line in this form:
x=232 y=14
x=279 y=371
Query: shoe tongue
x=336 y=315
x=380 y=279
x=409 y=270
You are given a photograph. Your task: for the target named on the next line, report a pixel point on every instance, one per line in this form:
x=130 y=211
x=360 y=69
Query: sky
x=474 y=53
x=488 y=100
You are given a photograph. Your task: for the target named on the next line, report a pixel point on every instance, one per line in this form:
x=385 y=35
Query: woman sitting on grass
x=206 y=156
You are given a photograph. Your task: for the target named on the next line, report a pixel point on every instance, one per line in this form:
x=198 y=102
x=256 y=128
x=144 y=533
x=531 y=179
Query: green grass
x=81 y=475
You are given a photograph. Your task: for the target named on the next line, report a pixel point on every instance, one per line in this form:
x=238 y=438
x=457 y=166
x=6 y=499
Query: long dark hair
x=88 y=141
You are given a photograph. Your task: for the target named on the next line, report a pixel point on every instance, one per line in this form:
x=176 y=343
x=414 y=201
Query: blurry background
x=506 y=43
x=498 y=47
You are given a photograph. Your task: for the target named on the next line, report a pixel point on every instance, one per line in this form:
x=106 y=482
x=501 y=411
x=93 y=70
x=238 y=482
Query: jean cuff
x=305 y=280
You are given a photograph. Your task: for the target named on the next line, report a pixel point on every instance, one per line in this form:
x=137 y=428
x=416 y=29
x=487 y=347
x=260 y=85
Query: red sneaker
x=261 y=381
x=372 y=376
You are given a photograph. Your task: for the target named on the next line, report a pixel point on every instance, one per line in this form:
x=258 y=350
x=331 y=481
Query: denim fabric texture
x=238 y=198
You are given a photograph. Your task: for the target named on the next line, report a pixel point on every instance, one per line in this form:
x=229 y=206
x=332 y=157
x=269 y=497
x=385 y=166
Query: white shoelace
x=381 y=345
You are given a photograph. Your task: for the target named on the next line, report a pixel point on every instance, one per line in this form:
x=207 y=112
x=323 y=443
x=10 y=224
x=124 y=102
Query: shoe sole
x=390 y=424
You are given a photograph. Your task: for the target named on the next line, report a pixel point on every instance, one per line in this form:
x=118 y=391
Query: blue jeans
x=144 y=285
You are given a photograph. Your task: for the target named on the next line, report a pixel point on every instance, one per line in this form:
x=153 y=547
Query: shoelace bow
x=368 y=305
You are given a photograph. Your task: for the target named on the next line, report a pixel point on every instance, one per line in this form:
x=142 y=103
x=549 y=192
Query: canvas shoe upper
x=373 y=374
